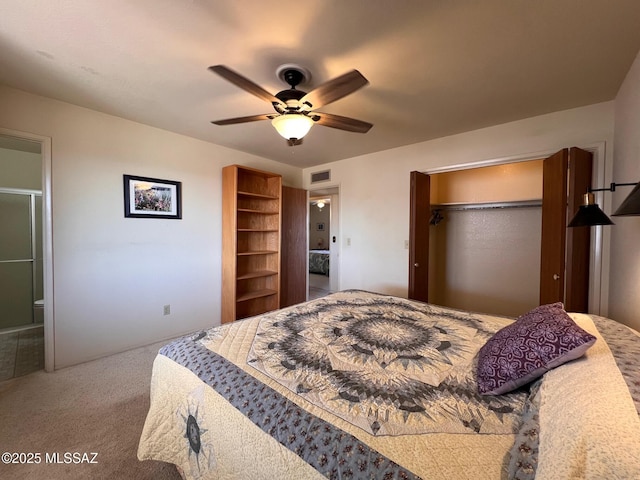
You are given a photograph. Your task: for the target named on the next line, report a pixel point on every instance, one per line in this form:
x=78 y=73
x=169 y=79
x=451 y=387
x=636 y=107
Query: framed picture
x=152 y=198
x=320 y=227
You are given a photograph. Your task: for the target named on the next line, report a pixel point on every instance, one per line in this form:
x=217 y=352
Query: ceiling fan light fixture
x=292 y=126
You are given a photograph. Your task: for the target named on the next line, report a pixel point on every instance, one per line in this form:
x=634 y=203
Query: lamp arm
x=589 y=213
x=612 y=187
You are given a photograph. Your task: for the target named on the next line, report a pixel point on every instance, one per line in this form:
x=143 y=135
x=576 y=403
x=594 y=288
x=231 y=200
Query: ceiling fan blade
x=250 y=118
x=246 y=84
x=334 y=89
x=341 y=123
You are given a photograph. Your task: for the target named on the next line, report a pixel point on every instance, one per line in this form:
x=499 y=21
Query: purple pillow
x=542 y=339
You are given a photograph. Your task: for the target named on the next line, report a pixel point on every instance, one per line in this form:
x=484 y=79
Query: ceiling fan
x=295 y=110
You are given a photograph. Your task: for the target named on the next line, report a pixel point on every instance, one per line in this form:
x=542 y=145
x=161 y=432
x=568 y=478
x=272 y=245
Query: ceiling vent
x=321 y=176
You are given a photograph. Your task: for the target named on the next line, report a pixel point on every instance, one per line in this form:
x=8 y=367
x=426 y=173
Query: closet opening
x=482 y=261
x=484 y=238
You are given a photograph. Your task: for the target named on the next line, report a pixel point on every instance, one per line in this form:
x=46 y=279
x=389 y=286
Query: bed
x=362 y=385
x=319 y=262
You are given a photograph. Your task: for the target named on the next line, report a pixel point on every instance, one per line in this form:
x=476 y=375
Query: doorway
x=323 y=242
x=25 y=255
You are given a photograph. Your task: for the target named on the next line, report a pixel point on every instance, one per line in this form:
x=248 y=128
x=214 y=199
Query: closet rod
x=487 y=205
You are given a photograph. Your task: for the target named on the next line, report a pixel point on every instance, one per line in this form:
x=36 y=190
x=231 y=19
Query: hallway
x=318 y=286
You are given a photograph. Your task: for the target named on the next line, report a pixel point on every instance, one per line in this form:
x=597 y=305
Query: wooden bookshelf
x=251 y=216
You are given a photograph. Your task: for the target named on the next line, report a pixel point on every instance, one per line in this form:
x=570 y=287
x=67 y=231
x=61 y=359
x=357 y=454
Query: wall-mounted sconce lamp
x=590 y=214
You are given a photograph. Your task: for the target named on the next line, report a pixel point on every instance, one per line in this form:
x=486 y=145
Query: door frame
x=334 y=230
x=334 y=247
x=47 y=241
x=600 y=237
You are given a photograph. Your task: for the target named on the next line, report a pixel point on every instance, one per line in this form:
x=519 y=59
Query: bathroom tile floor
x=21 y=352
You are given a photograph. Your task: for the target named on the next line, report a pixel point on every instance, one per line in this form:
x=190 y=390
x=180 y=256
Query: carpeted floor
x=99 y=406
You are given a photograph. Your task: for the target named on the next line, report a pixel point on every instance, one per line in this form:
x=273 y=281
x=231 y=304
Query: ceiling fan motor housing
x=290 y=94
x=293 y=75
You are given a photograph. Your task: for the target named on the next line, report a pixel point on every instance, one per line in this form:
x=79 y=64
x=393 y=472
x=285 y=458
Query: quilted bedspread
x=362 y=385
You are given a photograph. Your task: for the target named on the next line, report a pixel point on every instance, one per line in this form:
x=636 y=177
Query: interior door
x=419 y=236
x=564 y=262
x=293 y=247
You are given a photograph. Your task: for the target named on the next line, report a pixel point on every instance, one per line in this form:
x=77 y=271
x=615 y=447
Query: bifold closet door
x=420 y=213
x=564 y=265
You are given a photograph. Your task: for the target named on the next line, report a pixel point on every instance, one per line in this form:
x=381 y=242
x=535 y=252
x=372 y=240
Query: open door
x=564 y=262
x=419 y=236
x=293 y=247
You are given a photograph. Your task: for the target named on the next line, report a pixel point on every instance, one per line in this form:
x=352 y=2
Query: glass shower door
x=19 y=270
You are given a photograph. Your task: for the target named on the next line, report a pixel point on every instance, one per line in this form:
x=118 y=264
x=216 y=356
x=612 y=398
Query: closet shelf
x=486 y=205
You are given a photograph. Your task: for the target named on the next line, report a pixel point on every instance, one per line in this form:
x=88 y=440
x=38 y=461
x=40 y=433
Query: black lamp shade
x=631 y=204
x=589 y=214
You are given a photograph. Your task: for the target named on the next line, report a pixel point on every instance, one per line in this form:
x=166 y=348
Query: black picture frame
x=146 y=197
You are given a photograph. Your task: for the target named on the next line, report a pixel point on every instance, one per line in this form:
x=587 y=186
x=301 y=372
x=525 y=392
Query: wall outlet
x=167 y=310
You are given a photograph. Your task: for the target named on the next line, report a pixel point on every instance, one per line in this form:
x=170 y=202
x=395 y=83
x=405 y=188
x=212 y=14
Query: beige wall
x=500 y=183
x=624 y=288
x=486 y=260
x=112 y=275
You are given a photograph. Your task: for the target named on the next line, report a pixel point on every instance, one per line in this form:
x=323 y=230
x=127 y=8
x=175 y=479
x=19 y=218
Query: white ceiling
x=436 y=67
